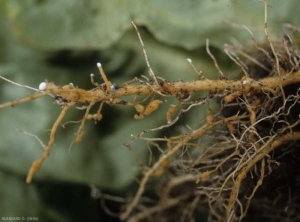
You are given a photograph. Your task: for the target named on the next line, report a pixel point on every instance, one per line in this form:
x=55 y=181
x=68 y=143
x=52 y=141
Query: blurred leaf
x=64 y=24
x=170 y=30
x=14 y=197
x=99 y=24
x=69 y=24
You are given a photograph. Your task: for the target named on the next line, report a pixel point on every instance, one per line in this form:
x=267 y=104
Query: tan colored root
x=99 y=94
x=272 y=144
x=79 y=133
x=36 y=165
x=198 y=133
x=279 y=73
x=258 y=184
x=26 y=99
x=151 y=73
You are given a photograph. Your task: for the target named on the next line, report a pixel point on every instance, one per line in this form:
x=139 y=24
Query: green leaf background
x=61 y=41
